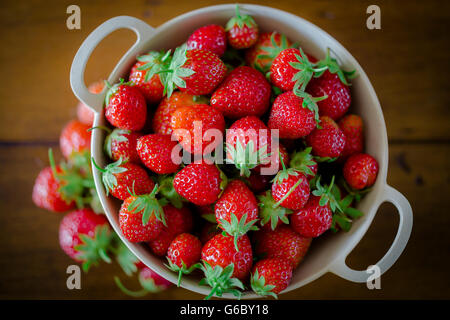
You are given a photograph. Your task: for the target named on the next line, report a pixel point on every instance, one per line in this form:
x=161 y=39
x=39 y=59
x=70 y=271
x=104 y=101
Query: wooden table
x=407 y=62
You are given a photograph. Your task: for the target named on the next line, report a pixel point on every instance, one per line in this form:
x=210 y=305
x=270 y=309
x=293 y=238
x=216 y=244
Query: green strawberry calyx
x=345 y=218
x=306 y=71
x=154 y=63
x=117 y=135
x=181 y=270
x=94 y=249
x=259 y=286
x=273 y=51
x=167 y=190
x=148 y=286
x=220 y=280
x=148 y=205
x=112 y=89
x=269 y=212
x=310 y=102
x=284 y=174
x=246 y=157
x=302 y=160
x=108 y=173
x=333 y=67
x=327 y=196
x=240 y=20
x=237 y=228
x=124 y=257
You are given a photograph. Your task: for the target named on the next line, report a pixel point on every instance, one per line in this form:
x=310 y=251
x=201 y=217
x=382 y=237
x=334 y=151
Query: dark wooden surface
x=407 y=62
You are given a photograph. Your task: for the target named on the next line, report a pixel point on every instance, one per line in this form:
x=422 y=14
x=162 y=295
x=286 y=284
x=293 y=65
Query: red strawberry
x=244 y=92
x=313 y=219
x=155 y=151
x=195 y=71
x=190 y=123
x=282 y=243
x=141 y=218
x=242 y=31
x=144 y=75
x=352 y=127
x=220 y=251
x=211 y=38
x=295 y=117
x=86 y=237
x=257 y=182
x=125 y=107
x=304 y=162
x=75 y=139
x=360 y=171
x=122 y=143
x=271 y=276
x=178 y=221
x=85 y=113
x=163 y=114
x=209 y=230
x=184 y=254
x=274 y=164
x=236 y=210
x=199 y=183
x=122 y=178
x=271 y=215
x=268 y=46
x=150 y=282
x=328 y=141
x=248 y=144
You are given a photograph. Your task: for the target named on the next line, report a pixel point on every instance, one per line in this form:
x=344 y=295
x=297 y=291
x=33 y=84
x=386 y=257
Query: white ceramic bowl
x=328 y=253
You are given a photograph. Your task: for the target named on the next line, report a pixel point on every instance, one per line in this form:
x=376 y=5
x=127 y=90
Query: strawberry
x=271 y=215
x=178 y=220
x=247 y=142
x=150 y=282
x=244 y=92
x=144 y=75
x=85 y=113
x=276 y=154
x=208 y=231
x=125 y=106
x=290 y=189
x=268 y=46
x=328 y=141
x=224 y=266
x=211 y=38
x=271 y=276
x=257 y=182
x=195 y=71
x=295 y=117
x=141 y=218
x=163 y=114
x=184 y=254
x=360 y=171
x=85 y=237
x=283 y=243
x=352 y=127
x=122 y=143
x=200 y=183
x=304 y=162
x=242 y=31
x=190 y=123
x=75 y=139
x=155 y=152
x=236 y=210
x=122 y=178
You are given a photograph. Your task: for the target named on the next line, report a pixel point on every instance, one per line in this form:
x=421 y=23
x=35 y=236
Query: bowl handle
x=143 y=32
x=404 y=231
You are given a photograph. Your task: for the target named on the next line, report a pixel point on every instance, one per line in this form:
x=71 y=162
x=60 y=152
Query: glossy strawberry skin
x=155 y=151
x=313 y=219
x=327 y=141
x=45 y=192
x=84 y=113
x=126 y=108
x=131 y=224
x=178 y=221
x=244 y=92
x=73 y=224
x=185 y=250
x=199 y=183
x=339 y=98
x=242 y=37
x=299 y=196
x=75 y=138
x=186 y=119
x=352 y=127
x=220 y=251
x=236 y=199
x=209 y=72
x=282 y=243
x=211 y=38
x=152 y=89
x=124 y=149
x=360 y=171
x=163 y=114
x=289 y=116
x=134 y=179
x=276 y=272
